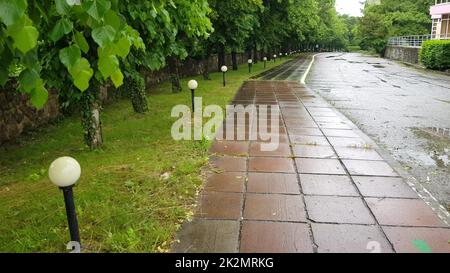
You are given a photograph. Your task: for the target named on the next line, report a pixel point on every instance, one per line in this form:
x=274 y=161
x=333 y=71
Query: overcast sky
x=350 y=7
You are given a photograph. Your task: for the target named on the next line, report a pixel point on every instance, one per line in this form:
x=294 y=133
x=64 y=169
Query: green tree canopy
x=393 y=18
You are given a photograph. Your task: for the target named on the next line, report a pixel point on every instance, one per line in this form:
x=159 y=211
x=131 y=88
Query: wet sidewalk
x=325 y=189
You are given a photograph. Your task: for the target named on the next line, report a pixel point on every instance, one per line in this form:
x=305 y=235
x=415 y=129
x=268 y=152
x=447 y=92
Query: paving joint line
x=309 y=221
x=353 y=182
x=244 y=194
x=410 y=180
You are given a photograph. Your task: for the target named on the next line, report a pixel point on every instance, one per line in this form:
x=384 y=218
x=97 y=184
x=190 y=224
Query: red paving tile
x=305 y=132
x=369 y=168
x=230 y=148
x=419 y=240
x=273 y=183
x=329 y=119
x=309 y=140
x=350 y=142
x=271 y=164
x=343 y=210
x=274 y=207
x=219 y=205
x=392 y=187
x=229 y=164
x=272 y=138
x=332 y=238
x=314 y=151
x=208 y=236
x=329 y=125
x=319 y=166
x=258 y=237
x=327 y=185
x=358 y=154
x=340 y=133
x=256 y=150
x=403 y=212
x=274 y=216
x=226 y=182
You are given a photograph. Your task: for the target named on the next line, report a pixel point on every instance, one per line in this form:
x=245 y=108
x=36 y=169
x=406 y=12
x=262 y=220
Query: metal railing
x=409 y=41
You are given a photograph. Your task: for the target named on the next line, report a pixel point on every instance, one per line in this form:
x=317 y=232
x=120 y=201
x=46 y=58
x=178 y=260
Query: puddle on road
x=438 y=144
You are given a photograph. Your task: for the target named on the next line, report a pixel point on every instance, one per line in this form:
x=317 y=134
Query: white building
x=440 y=13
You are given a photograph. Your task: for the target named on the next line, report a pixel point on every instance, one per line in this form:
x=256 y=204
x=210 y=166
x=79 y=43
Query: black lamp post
x=250 y=64
x=275 y=58
x=64 y=172
x=265 y=62
x=193 y=85
x=224 y=71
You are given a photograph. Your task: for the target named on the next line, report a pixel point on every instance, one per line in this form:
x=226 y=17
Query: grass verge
x=123 y=202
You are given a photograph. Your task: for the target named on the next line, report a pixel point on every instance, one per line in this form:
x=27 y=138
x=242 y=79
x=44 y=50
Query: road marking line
x=303 y=80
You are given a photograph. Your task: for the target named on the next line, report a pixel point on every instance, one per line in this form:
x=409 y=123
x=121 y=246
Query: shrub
x=435 y=54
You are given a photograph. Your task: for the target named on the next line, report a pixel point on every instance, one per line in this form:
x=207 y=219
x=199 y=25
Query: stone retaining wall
x=18 y=116
x=403 y=54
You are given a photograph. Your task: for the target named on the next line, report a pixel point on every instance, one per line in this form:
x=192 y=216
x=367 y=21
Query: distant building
x=440 y=14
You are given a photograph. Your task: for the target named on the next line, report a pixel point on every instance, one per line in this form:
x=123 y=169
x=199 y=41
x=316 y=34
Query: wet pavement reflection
x=404 y=109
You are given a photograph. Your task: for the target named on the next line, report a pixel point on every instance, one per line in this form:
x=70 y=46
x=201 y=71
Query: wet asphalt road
x=290 y=71
x=399 y=107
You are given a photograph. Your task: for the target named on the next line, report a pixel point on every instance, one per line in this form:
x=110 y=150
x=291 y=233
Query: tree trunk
x=174 y=75
x=135 y=84
x=255 y=54
x=205 y=68
x=90 y=116
x=234 y=60
x=221 y=56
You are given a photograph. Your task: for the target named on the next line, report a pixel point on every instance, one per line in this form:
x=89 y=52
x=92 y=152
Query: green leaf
x=103 y=35
x=25 y=38
x=12 y=10
x=28 y=80
x=123 y=47
x=81 y=73
x=62 y=27
x=39 y=95
x=117 y=78
x=134 y=36
x=62 y=8
x=69 y=56
x=107 y=64
x=112 y=19
x=31 y=61
x=97 y=8
x=80 y=40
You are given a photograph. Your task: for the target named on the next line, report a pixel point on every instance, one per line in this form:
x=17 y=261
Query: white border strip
x=303 y=79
